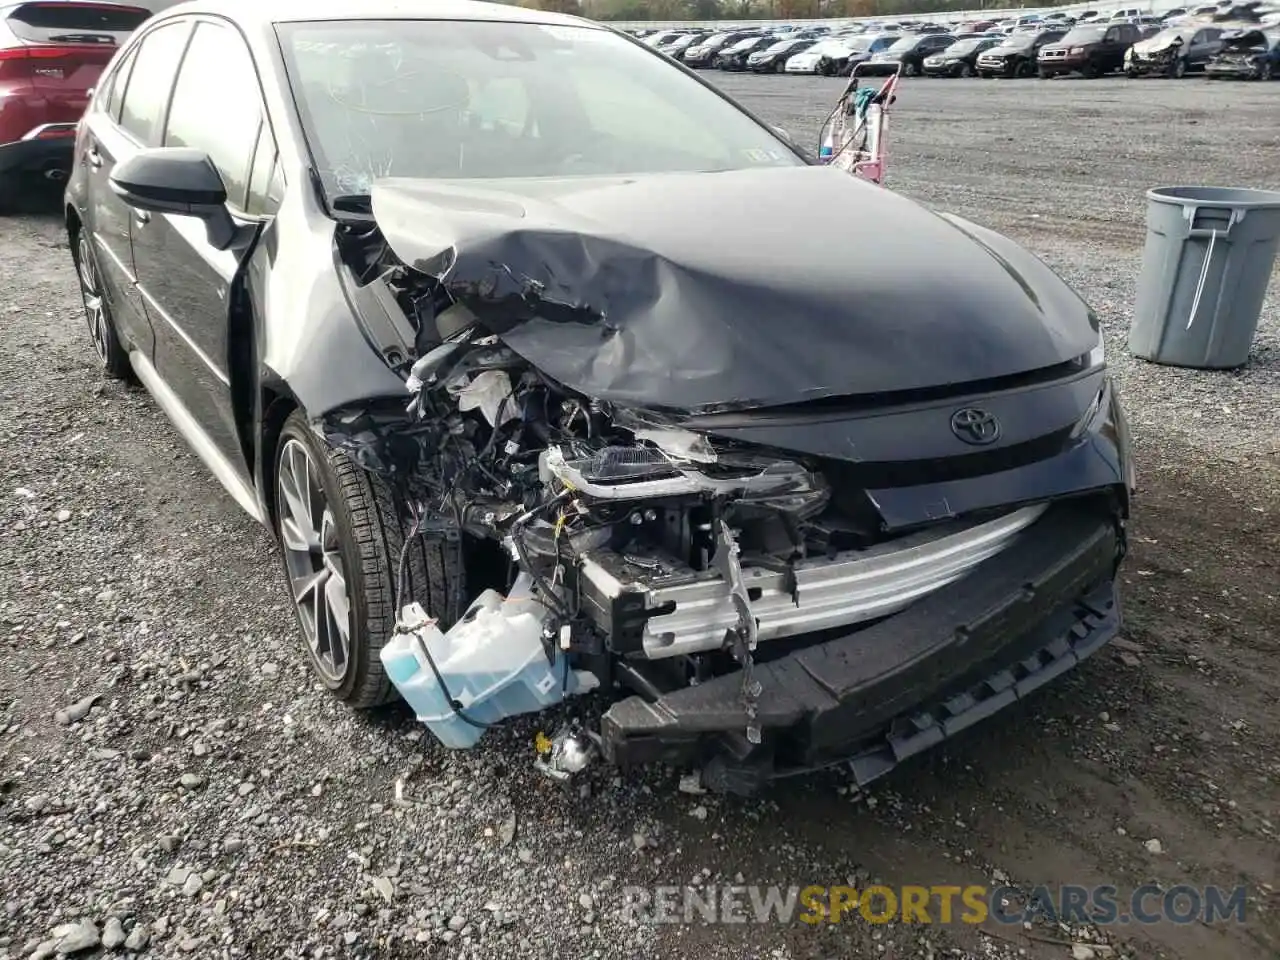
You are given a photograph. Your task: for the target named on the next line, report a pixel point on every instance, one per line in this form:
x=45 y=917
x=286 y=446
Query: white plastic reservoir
x=492 y=661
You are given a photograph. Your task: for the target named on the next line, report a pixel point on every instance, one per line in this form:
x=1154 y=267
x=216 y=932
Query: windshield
x=782 y=45
x=1166 y=36
x=961 y=47
x=746 y=44
x=444 y=99
x=903 y=45
x=1084 y=35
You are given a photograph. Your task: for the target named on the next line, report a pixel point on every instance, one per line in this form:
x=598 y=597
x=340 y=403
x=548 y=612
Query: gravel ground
x=213 y=801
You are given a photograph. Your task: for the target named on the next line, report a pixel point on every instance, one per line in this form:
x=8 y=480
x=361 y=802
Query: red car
x=51 y=53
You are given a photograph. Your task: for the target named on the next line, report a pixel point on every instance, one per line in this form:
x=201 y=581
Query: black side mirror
x=177 y=180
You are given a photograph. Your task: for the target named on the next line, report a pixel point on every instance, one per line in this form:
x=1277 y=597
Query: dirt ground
x=1169 y=735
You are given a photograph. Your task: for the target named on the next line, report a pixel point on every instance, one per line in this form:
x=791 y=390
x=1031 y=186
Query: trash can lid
x=1241 y=198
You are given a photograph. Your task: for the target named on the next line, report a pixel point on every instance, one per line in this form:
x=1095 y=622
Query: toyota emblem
x=975 y=426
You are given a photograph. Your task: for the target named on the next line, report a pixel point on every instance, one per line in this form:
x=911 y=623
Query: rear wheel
x=112 y=357
x=342 y=536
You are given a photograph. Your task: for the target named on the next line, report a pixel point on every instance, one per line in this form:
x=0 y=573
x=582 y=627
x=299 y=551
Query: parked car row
x=1236 y=39
x=1037 y=48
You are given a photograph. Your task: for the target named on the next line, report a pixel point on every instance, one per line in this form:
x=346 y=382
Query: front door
x=185 y=280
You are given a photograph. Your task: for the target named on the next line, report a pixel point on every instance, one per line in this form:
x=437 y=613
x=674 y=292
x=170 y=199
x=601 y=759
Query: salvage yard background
x=216 y=803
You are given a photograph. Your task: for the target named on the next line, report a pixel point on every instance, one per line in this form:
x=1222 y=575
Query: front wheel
x=1131 y=73
x=965 y=71
x=1267 y=72
x=1179 y=69
x=342 y=538
x=911 y=69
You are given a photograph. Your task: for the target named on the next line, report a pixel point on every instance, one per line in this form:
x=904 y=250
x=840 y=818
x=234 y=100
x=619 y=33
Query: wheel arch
x=275 y=402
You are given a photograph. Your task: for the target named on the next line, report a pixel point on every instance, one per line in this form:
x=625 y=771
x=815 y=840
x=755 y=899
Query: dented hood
x=718 y=291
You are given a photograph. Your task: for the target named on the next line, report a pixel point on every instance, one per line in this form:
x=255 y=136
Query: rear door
x=126 y=117
x=186 y=282
x=57 y=49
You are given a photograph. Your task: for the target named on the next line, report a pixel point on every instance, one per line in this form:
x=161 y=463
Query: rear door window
x=151 y=79
x=217 y=105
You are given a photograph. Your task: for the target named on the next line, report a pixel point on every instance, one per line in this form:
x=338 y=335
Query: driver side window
x=217 y=106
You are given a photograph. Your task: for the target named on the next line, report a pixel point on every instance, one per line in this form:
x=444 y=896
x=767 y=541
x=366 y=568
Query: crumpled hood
x=1156 y=44
x=717 y=291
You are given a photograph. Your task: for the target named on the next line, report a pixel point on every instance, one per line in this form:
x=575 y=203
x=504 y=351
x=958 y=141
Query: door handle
x=142 y=216
x=93 y=156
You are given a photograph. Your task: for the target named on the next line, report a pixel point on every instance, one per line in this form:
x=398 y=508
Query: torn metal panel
x=668 y=291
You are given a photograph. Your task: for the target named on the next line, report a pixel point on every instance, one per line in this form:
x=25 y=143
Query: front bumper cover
x=876 y=696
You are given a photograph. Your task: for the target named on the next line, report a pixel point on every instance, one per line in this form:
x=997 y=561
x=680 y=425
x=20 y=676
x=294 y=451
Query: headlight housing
x=1097 y=357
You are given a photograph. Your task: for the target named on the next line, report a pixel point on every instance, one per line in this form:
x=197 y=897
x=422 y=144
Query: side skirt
x=196 y=437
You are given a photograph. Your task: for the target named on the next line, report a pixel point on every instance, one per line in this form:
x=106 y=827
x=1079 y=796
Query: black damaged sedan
x=463 y=303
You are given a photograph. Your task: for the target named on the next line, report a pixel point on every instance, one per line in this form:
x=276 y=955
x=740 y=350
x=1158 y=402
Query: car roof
x=252 y=13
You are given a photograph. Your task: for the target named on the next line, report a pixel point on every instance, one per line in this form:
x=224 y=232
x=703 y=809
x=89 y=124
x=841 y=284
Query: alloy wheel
x=94 y=310
x=313 y=562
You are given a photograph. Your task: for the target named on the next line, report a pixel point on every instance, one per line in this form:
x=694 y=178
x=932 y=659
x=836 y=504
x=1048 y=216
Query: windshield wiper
x=83 y=38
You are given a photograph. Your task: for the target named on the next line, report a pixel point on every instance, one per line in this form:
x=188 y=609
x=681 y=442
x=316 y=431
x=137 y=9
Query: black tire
x=1267 y=71
x=1024 y=68
x=964 y=70
x=1179 y=68
x=369 y=530
x=1131 y=73
x=112 y=358
x=1089 y=71
x=1045 y=74
x=911 y=69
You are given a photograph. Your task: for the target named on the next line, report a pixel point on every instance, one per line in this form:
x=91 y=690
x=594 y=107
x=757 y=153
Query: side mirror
x=177 y=180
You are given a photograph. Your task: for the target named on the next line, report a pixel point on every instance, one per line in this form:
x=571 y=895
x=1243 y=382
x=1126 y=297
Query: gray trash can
x=1205 y=271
